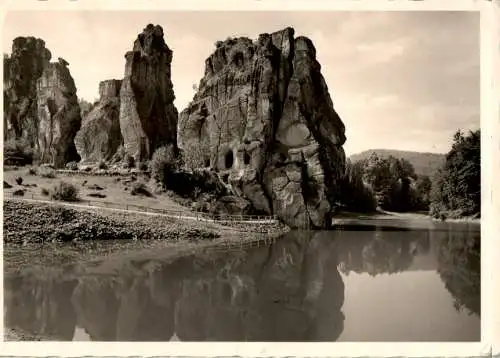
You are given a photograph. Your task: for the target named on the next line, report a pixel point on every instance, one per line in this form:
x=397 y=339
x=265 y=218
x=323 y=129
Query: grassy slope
x=113 y=190
x=424 y=163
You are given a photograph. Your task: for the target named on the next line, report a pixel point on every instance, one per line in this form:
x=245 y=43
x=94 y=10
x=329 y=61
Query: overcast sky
x=399 y=80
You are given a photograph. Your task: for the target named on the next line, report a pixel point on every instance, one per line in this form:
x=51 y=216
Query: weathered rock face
x=148 y=117
x=100 y=137
x=40 y=103
x=263 y=113
x=21 y=70
x=58 y=115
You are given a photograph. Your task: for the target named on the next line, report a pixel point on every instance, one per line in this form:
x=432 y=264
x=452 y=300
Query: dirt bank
x=34 y=233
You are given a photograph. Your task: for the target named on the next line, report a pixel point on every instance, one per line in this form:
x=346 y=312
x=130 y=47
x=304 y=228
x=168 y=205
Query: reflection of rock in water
x=460 y=269
x=291 y=291
x=40 y=305
x=96 y=303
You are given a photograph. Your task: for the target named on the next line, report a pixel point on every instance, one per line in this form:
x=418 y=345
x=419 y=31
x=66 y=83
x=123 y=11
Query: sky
x=399 y=80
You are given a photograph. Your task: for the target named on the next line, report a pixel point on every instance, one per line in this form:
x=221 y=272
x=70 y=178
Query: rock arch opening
x=229 y=159
x=246 y=158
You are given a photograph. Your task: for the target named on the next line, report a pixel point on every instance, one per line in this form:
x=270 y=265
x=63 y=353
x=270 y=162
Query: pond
x=370 y=280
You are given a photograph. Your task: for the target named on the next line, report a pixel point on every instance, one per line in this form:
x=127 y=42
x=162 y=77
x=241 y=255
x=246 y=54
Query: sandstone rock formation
x=22 y=68
x=148 y=117
x=264 y=115
x=40 y=103
x=58 y=115
x=100 y=137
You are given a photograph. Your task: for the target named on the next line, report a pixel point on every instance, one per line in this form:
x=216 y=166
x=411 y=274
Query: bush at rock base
x=102 y=165
x=72 y=166
x=64 y=191
x=46 y=172
x=18 y=151
x=163 y=163
x=19 y=192
x=140 y=188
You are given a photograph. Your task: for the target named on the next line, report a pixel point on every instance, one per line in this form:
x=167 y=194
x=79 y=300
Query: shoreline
x=388 y=215
x=48 y=233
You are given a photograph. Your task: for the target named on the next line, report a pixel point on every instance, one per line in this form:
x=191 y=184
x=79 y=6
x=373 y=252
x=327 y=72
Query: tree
x=163 y=163
x=423 y=188
x=456 y=190
x=391 y=179
x=353 y=193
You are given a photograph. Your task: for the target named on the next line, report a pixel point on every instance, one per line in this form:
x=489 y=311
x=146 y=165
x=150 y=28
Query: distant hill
x=424 y=163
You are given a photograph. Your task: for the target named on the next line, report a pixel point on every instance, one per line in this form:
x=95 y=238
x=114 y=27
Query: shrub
x=45 y=192
x=95 y=187
x=18 y=151
x=143 y=166
x=140 y=188
x=19 y=181
x=47 y=172
x=19 y=192
x=72 y=166
x=31 y=171
x=64 y=191
x=102 y=165
x=6 y=185
x=163 y=163
x=129 y=162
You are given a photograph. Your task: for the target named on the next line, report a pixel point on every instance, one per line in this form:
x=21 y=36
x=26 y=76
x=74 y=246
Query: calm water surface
x=368 y=281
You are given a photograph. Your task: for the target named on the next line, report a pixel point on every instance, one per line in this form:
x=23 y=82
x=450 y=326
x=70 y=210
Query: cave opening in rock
x=246 y=158
x=207 y=163
x=229 y=159
x=238 y=59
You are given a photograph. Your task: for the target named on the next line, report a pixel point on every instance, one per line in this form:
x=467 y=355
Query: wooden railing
x=173 y=212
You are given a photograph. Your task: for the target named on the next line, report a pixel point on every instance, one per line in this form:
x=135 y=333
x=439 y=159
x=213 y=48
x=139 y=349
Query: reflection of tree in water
x=380 y=250
x=290 y=291
x=460 y=269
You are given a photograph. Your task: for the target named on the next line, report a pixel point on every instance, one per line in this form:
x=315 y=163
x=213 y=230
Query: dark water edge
x=305 y=286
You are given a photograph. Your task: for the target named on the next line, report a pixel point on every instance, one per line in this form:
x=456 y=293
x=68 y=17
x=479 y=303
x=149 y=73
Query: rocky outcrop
x=21 y=69
x=100 y=136
x=58 y=115
x=40 y=102
x=148 y=117
x=264 y=115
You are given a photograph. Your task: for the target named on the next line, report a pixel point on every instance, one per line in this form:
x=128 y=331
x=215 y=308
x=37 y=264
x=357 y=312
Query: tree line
x=391 y=183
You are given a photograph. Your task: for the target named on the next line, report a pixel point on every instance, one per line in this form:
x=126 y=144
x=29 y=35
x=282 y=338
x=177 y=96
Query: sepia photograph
x=241 y=176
